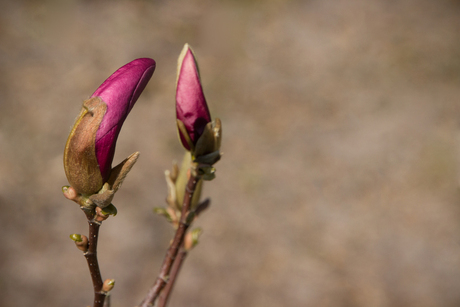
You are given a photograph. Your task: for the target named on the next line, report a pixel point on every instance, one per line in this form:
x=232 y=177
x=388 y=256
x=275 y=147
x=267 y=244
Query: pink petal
x=191 y=107
x=120 y=91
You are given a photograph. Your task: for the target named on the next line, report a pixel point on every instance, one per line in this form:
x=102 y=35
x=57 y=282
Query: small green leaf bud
x=191 y=239
x=80 y=241
x=76 y=237
x=103 y=214
x=163 y=212
x=108 y=285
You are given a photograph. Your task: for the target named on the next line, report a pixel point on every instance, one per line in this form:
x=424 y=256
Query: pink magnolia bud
x=120 y=91
x=91 y=144
x=191 y=107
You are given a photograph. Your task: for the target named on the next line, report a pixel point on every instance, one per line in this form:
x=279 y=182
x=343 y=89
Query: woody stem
x=165 y=294
x=91 y=259
x=171 y=254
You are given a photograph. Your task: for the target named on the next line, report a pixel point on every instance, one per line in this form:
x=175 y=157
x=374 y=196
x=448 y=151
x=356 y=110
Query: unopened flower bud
x=197 y=132
x=91 y=144
x=191 y=108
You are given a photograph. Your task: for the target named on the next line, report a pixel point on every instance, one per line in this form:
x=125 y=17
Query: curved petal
x=120 y=91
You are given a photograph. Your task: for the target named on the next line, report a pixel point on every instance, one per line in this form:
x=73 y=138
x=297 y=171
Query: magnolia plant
x=90 y=150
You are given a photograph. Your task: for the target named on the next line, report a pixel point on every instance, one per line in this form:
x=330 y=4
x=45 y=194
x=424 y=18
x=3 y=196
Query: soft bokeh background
x=338 y=185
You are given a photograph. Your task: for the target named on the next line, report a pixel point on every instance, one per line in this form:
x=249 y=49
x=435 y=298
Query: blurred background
x=338 y=185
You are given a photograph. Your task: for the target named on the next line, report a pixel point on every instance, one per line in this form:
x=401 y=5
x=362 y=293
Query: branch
x=91 y=258
x=171 y=254
x=164 y=296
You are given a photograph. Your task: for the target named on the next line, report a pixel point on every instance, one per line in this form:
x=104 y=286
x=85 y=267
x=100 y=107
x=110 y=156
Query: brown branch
x=171 y=254
x=91 y=259
x=165 y=294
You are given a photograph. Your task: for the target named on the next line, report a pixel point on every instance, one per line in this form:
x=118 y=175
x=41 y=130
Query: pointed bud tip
x=125 y=85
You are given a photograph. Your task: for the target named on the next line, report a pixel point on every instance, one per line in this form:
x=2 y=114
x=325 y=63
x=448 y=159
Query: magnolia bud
x=191 y=108
x=91 y=144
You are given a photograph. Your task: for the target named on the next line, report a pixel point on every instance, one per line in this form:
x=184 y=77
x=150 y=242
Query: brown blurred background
x=338 y=185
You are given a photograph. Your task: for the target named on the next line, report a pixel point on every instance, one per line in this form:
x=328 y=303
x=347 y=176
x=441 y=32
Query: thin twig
x=171 y=254
x=165 y=294
x=91 y=258
x=107 y=301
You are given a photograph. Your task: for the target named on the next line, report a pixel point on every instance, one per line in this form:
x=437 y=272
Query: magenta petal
x=191 y=107
x=120 y=91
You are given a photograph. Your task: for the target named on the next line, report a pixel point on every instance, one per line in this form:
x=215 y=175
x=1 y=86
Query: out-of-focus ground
x=338 y=185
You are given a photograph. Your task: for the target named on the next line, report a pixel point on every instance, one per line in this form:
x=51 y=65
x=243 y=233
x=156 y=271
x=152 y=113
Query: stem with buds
x=173 y=250
x=91 y=258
